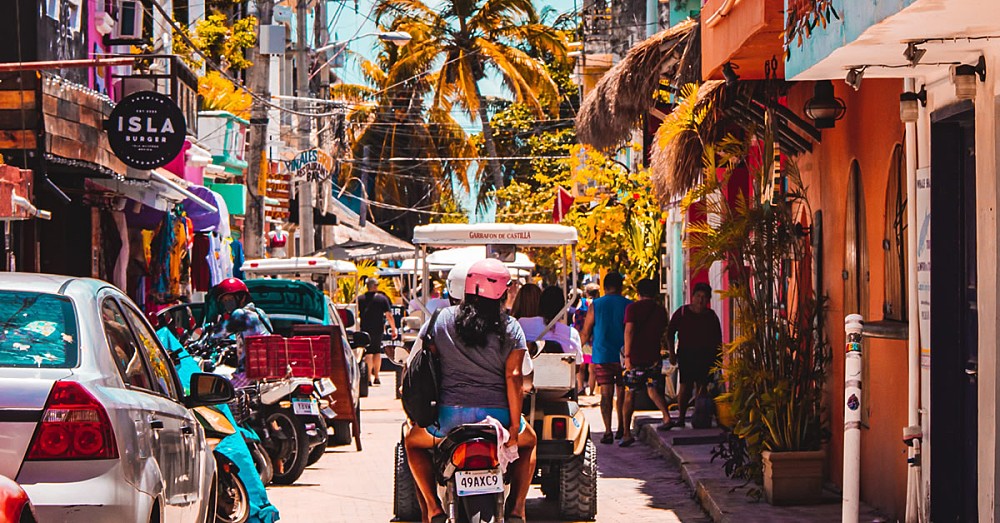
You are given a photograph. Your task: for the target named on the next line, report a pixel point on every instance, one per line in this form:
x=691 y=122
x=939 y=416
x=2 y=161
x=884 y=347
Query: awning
x=348 y=230
x=354 y=250
x=628 y=90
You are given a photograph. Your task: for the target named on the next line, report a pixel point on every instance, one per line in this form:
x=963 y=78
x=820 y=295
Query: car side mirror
x=360 y=339
x=209 y=389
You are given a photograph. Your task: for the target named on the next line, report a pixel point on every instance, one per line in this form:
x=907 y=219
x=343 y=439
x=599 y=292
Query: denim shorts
x=450 y=417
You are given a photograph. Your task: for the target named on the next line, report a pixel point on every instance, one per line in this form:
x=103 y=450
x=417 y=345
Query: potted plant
x=777 y=360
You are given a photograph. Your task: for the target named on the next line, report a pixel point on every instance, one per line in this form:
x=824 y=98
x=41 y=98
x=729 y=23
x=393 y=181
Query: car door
x=163 y=426
x=190 y=464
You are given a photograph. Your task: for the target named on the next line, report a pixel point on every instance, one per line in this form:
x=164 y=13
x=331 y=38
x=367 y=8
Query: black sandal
x=627 y=442
x=608 y=438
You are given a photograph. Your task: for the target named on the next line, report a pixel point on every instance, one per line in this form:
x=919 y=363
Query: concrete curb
x=648 y=435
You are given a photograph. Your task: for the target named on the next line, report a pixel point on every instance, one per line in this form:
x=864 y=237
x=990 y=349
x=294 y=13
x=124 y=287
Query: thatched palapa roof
x=627 y=91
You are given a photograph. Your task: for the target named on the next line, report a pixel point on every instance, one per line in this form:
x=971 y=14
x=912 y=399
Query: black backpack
x=421 y=381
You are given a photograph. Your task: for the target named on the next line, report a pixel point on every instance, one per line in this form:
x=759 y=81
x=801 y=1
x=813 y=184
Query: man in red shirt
x=645 y=322
x=699 y=341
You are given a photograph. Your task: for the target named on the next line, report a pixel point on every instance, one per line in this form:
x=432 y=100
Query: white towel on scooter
x=505 y=455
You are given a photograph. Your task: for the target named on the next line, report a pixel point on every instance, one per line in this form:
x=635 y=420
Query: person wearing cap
x=375 y=310
x=481 y=352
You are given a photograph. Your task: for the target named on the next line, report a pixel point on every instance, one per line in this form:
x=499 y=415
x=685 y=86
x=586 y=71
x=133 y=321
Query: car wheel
x=363 y=384
x=290 y=451
x=578 y=486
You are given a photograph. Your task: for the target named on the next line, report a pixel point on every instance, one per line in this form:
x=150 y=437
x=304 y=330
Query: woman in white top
x=550 y=304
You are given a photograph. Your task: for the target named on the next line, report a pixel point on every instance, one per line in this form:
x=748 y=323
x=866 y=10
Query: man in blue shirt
x=605 y=329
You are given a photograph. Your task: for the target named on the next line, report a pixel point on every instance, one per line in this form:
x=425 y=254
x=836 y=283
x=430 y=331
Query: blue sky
x=349 y=23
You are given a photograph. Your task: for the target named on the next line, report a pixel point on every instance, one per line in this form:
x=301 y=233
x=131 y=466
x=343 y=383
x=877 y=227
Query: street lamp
x=400 y=38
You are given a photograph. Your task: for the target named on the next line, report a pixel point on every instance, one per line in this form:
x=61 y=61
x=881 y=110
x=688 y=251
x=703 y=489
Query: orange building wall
x=868 y=133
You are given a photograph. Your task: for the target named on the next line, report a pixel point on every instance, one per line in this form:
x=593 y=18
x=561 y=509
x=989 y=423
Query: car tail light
x=475 y=455
x=306 y=389
x=559 y=428
x=74 y=425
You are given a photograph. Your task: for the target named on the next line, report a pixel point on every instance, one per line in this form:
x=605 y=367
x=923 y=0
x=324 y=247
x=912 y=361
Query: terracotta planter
x=793 y=478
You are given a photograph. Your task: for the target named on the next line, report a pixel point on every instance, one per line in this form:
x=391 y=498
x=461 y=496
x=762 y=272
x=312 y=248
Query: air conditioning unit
x=129 y=26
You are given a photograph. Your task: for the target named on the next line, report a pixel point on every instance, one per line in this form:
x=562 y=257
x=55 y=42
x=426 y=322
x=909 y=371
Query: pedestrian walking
x=699 y=341
x=645 y=323
x=604 y=328
x=584 y=372
x=375 y=309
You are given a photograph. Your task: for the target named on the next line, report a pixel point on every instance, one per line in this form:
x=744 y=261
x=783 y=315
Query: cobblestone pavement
x=635 y=484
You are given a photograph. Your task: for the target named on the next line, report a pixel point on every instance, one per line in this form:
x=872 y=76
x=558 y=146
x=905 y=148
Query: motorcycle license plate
x=475 y=482
x=305 y=407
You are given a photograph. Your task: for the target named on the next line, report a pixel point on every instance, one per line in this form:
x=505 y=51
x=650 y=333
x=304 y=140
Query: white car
x=94 y=424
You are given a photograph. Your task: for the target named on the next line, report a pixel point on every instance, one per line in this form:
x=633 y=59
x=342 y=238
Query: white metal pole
x=853 y=324
x=912 y=434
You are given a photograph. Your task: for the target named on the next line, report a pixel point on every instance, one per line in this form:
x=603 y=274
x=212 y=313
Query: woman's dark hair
x=526 y=302
x=551 y=303
x=479 y=317
x=647 y=288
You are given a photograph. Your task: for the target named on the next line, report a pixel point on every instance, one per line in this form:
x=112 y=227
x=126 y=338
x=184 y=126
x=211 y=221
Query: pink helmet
x=488 y=279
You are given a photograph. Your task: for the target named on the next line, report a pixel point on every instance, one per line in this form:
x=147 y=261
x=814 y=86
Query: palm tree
x=389 y=116
x=470 y=38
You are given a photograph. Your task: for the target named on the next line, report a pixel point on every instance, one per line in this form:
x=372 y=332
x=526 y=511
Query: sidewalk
x=725 y=499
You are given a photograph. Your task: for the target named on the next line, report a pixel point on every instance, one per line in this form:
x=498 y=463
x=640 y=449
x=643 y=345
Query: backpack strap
x=428 y=337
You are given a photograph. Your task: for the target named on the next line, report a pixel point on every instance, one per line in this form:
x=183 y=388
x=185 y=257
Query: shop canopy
x=303 y=265
x=536 y=234
x=445 y=259
x=360 y=250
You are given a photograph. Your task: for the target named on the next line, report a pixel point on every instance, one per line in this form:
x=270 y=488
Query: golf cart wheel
x=363 y=384
x=578 y=486
x=404 y=500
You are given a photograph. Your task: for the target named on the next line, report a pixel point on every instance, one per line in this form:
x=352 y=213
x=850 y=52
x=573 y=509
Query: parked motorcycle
x=471 y=486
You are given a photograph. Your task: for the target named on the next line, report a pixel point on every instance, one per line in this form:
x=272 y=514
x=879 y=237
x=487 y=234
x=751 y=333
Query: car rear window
x=37 y=330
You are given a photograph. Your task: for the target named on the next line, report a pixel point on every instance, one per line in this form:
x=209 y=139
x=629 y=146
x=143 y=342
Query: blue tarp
x=233 y=446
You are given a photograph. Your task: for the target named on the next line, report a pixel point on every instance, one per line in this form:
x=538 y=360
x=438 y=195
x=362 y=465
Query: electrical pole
x=259 y=79
x=306 y=230
x=363 y=180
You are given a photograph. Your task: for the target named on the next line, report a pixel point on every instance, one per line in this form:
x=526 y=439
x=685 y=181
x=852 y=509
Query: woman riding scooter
x=481 y=351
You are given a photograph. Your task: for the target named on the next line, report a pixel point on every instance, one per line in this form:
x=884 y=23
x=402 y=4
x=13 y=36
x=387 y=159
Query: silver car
x=94 y=423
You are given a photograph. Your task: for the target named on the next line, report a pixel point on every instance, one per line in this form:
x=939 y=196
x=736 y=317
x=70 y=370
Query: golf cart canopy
x=304 y=265
x=537 y=234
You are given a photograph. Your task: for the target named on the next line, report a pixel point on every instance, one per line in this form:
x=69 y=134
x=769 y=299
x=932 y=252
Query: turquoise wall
x=855 y=18
x=681 y=10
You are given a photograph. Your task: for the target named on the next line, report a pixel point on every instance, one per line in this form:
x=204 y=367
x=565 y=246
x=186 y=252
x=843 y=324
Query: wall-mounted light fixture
x=913 y=54
x=729 y=73
x=964 y=78
x=824 y=108
x=908 y=109
x=854 y=77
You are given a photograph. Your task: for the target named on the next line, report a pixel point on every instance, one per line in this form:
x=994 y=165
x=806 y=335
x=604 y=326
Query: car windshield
x=37 y=330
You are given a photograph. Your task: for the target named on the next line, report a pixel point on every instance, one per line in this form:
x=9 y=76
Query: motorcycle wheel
x=232 y=501
x=261 y=461
x=291 y=446
x=482 y=508
x=317 y=452
x=404 y=500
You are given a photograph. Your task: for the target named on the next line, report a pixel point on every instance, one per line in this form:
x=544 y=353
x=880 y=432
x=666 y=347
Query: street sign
x=146 y=130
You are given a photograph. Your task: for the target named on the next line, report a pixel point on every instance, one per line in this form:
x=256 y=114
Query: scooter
x=471 y=486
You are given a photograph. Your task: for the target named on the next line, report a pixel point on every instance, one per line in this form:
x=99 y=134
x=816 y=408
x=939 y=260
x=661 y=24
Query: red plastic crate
x=276 y=357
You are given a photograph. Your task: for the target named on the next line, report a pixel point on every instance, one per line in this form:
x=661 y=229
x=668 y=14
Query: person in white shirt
x=434 y=303
x=550 y=304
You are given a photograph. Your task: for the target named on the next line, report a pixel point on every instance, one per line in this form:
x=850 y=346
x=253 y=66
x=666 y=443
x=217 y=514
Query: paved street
x=635 y=484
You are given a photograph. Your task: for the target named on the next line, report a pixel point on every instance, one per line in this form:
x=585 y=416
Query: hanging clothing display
x=238 y=259
x=171 y=255
x=201 y=252
x=120 y=278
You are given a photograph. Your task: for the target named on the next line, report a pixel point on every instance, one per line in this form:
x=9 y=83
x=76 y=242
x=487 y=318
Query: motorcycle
x=471 y=486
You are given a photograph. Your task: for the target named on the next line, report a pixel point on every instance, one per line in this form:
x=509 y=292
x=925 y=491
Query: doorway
x=954 y=316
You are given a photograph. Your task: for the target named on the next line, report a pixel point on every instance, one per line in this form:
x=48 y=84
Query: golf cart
x=567 y=460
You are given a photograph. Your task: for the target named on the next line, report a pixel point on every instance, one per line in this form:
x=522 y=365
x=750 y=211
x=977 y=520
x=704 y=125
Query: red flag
x=564 y=202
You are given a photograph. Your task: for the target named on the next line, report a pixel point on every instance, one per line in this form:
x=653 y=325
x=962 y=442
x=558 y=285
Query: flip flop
x=627 y=442
x=620 y=433
x=440 y=518
x=608 y=438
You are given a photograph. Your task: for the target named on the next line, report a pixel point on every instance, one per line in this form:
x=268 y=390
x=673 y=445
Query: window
x=124 y=348
x=159 y=362
x=856 y=247
x=52 y=8
x=37 y=330
x=894 y=242
x=74 y=13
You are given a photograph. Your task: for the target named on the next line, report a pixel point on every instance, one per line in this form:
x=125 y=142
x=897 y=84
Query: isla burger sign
x=146 y=130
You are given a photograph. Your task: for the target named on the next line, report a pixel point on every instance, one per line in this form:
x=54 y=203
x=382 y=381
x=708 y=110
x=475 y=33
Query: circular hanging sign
x=146 y=130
